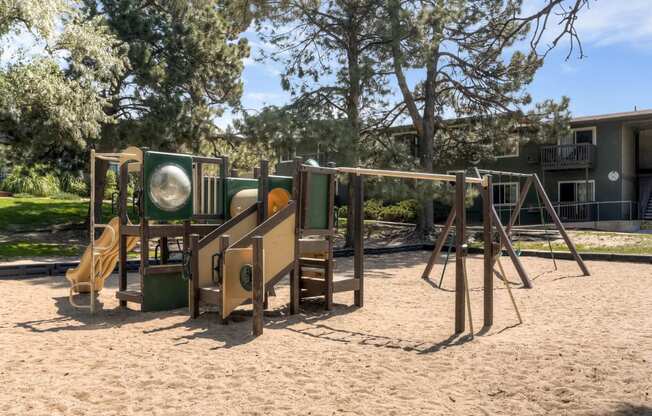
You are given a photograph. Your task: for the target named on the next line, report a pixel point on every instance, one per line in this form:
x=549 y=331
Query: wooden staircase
x=647 y=213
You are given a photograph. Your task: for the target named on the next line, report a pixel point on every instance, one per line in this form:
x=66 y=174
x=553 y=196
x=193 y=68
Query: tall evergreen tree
x=473 y=60
x=328 y=49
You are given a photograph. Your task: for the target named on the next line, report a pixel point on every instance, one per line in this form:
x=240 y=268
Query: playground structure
x=241 y=236
x=505 y=233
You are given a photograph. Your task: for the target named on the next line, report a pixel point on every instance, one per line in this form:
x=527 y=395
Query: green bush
x=111 y=184
x=73 y=184
x=31 y=180
x=372 y=209
x=404 y=211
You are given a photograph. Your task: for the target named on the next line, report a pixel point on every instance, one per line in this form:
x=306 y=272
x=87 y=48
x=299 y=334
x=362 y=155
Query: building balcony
x=567 y=156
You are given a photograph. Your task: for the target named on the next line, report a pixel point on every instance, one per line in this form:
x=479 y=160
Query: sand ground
x=585 y=347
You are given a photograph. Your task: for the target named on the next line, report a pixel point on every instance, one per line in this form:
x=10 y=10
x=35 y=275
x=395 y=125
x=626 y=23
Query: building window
x=505 y=193
x=410 y=139
x=509 y=149
x=583 y=135
x=575 y=191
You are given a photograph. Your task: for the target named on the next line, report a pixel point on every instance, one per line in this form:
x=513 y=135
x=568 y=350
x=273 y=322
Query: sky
x=614 y=76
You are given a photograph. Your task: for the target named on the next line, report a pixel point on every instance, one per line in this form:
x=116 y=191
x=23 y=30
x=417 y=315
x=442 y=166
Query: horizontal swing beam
x=407 y=175
x=504 y=173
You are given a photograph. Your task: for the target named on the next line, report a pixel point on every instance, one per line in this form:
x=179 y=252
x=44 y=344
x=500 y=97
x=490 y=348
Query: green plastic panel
x=152 y=160
x=235 y=185
x=164 y=292
x=284 y=182
x=317 y=215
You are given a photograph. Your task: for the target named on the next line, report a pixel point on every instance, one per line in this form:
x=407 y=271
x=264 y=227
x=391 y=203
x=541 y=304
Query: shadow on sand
x=310 y=322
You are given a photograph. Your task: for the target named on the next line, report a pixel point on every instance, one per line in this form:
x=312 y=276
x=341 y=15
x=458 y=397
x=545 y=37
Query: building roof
x=625 y=116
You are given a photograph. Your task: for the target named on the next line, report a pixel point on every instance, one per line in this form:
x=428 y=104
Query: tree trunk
x=353 y=116
x=426 y=150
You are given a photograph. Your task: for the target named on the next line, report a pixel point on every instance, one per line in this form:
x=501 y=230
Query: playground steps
x=647 y=215
x=211 y=295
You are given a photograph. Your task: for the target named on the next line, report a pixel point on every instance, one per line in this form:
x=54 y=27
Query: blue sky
x=615 y=75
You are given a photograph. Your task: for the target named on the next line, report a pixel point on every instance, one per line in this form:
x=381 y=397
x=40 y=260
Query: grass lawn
x=22 y=215
x=29 y=214
x=17 y=249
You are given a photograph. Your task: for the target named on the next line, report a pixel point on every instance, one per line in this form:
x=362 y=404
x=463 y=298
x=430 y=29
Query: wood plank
x=132 y=296
x=263 y=191
x=313 y=262
x=439 y=244
x=258 y=286
x=297 y=196
x=311 y=245
x=460 y=234
x=210 y=295
x=165 y=230
x=346 y=285
x=130 y=230
x=193 y=295
x=312 y=285
x=162 y=269
x=488 y=294
x=206 y=159
x=358 y=238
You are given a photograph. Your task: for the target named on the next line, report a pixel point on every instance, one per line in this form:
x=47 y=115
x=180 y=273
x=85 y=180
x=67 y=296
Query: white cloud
x=610 y=22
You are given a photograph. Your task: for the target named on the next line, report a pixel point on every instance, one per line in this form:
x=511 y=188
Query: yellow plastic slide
x=107 y=249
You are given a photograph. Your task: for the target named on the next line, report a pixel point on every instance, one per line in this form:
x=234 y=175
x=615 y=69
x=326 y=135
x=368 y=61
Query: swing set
x=504 y=238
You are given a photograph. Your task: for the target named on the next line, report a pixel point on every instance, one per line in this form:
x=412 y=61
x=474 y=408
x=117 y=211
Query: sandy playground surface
x=585 y=348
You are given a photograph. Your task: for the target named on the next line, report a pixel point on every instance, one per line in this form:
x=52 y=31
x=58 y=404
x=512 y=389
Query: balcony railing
x=576 y=212
x=568 y=156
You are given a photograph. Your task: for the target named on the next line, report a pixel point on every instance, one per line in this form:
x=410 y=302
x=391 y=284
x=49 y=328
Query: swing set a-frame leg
x=560 y=226
x=439 y=244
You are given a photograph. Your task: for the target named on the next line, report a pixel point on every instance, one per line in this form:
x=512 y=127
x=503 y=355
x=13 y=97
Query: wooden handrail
x=266 y=226
x=222 y=229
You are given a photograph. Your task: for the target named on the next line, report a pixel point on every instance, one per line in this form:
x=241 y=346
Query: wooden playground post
x=330 y=264
x=263 y=190
x=122 y=213
x=460 y=231
x=258 y=285
x=358 y=239
x=193 y=299
x=487 y=203
x=298 y=197
x=560 y=226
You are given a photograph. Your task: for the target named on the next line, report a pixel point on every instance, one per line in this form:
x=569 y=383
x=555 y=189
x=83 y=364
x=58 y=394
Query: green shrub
x=31 y=180
x=111 y=184
x=372 y=209
x=73 y=184
x=404 y=211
